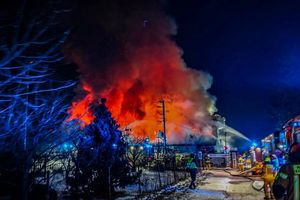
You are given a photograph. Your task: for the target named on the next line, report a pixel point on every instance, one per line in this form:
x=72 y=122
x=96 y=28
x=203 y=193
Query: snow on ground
x=217 y=184
x=212 y=185
x=149 y=182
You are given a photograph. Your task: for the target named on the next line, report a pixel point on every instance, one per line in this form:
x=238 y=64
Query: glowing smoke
x=125 y=53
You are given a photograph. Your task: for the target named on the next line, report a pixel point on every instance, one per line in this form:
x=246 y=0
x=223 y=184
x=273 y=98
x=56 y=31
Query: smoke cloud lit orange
x=136 y=65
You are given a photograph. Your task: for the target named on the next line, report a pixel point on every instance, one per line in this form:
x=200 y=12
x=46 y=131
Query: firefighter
x=207 y=162
x=268 y=177
x=258 y=168
x=248 y=163
x=241 y=164
x=287 y=179
x=200 y=160
x=193 y=169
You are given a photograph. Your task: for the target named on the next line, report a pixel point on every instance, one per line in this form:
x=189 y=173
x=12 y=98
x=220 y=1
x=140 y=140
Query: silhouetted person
x=193 y=169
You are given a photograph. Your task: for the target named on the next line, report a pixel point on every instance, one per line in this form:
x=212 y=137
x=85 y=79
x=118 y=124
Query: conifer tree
x=101 y=155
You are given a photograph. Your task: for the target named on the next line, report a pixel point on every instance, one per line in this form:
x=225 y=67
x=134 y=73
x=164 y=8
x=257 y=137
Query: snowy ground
x=149 y=182
x=212 y=185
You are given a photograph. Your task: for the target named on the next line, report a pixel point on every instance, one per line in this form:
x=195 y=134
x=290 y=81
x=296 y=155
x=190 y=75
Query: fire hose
x=240 y=175
x=249 y=170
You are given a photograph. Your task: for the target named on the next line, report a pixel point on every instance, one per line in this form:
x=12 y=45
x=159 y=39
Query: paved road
x=216 y=184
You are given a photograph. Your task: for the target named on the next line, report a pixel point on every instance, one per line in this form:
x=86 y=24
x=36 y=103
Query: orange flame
x=137 y=106
x=138 y=65
x=81 y=109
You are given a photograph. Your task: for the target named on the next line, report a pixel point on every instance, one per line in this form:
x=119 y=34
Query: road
x=215 y=184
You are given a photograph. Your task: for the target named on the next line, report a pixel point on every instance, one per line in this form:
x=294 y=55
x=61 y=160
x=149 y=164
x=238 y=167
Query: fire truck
x=292 y=130
x=278 y=143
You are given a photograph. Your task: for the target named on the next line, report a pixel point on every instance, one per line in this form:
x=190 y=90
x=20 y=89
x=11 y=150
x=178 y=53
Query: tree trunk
x=25 y=178
x=109 y=182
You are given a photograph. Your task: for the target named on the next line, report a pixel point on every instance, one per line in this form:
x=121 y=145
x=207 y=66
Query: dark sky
x=251 y=48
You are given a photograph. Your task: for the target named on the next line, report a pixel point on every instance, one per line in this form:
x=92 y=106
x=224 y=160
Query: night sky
x=251 y=48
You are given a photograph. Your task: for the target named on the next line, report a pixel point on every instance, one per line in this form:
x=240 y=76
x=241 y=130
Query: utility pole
x=164 y=122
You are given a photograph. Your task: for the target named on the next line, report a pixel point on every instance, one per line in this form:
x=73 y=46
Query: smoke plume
x=125 y=53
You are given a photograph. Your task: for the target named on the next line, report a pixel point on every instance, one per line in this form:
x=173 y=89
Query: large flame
x=144 y=68
x=81 y=110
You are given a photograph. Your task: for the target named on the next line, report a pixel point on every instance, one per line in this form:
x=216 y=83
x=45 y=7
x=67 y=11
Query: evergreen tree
x=101 y=155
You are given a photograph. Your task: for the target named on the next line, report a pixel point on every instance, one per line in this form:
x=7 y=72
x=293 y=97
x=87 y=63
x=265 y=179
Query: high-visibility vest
x=268 y=172
x=191 y=165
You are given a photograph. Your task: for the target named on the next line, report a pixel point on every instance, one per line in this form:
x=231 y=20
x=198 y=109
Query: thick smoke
x=125 y=53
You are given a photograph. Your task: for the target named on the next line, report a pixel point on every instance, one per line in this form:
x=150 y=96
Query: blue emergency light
x=254 y=144
x=295 y=124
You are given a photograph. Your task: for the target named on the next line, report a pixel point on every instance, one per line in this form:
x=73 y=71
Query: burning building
x=125 y=53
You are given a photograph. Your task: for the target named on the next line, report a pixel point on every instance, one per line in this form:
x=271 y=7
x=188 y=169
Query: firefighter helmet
x=267 y=159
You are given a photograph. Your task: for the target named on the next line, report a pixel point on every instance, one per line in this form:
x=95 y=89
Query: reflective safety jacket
x=191 y=164
x=207 y=160
x=241 y=160
x=287 y=180
x=268 y=172
x=258 y=167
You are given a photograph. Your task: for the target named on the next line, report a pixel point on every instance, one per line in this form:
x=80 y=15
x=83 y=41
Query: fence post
x=109 y=183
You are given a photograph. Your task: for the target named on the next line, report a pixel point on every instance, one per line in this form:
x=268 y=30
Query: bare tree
x=136 y=154
x=32 y=103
